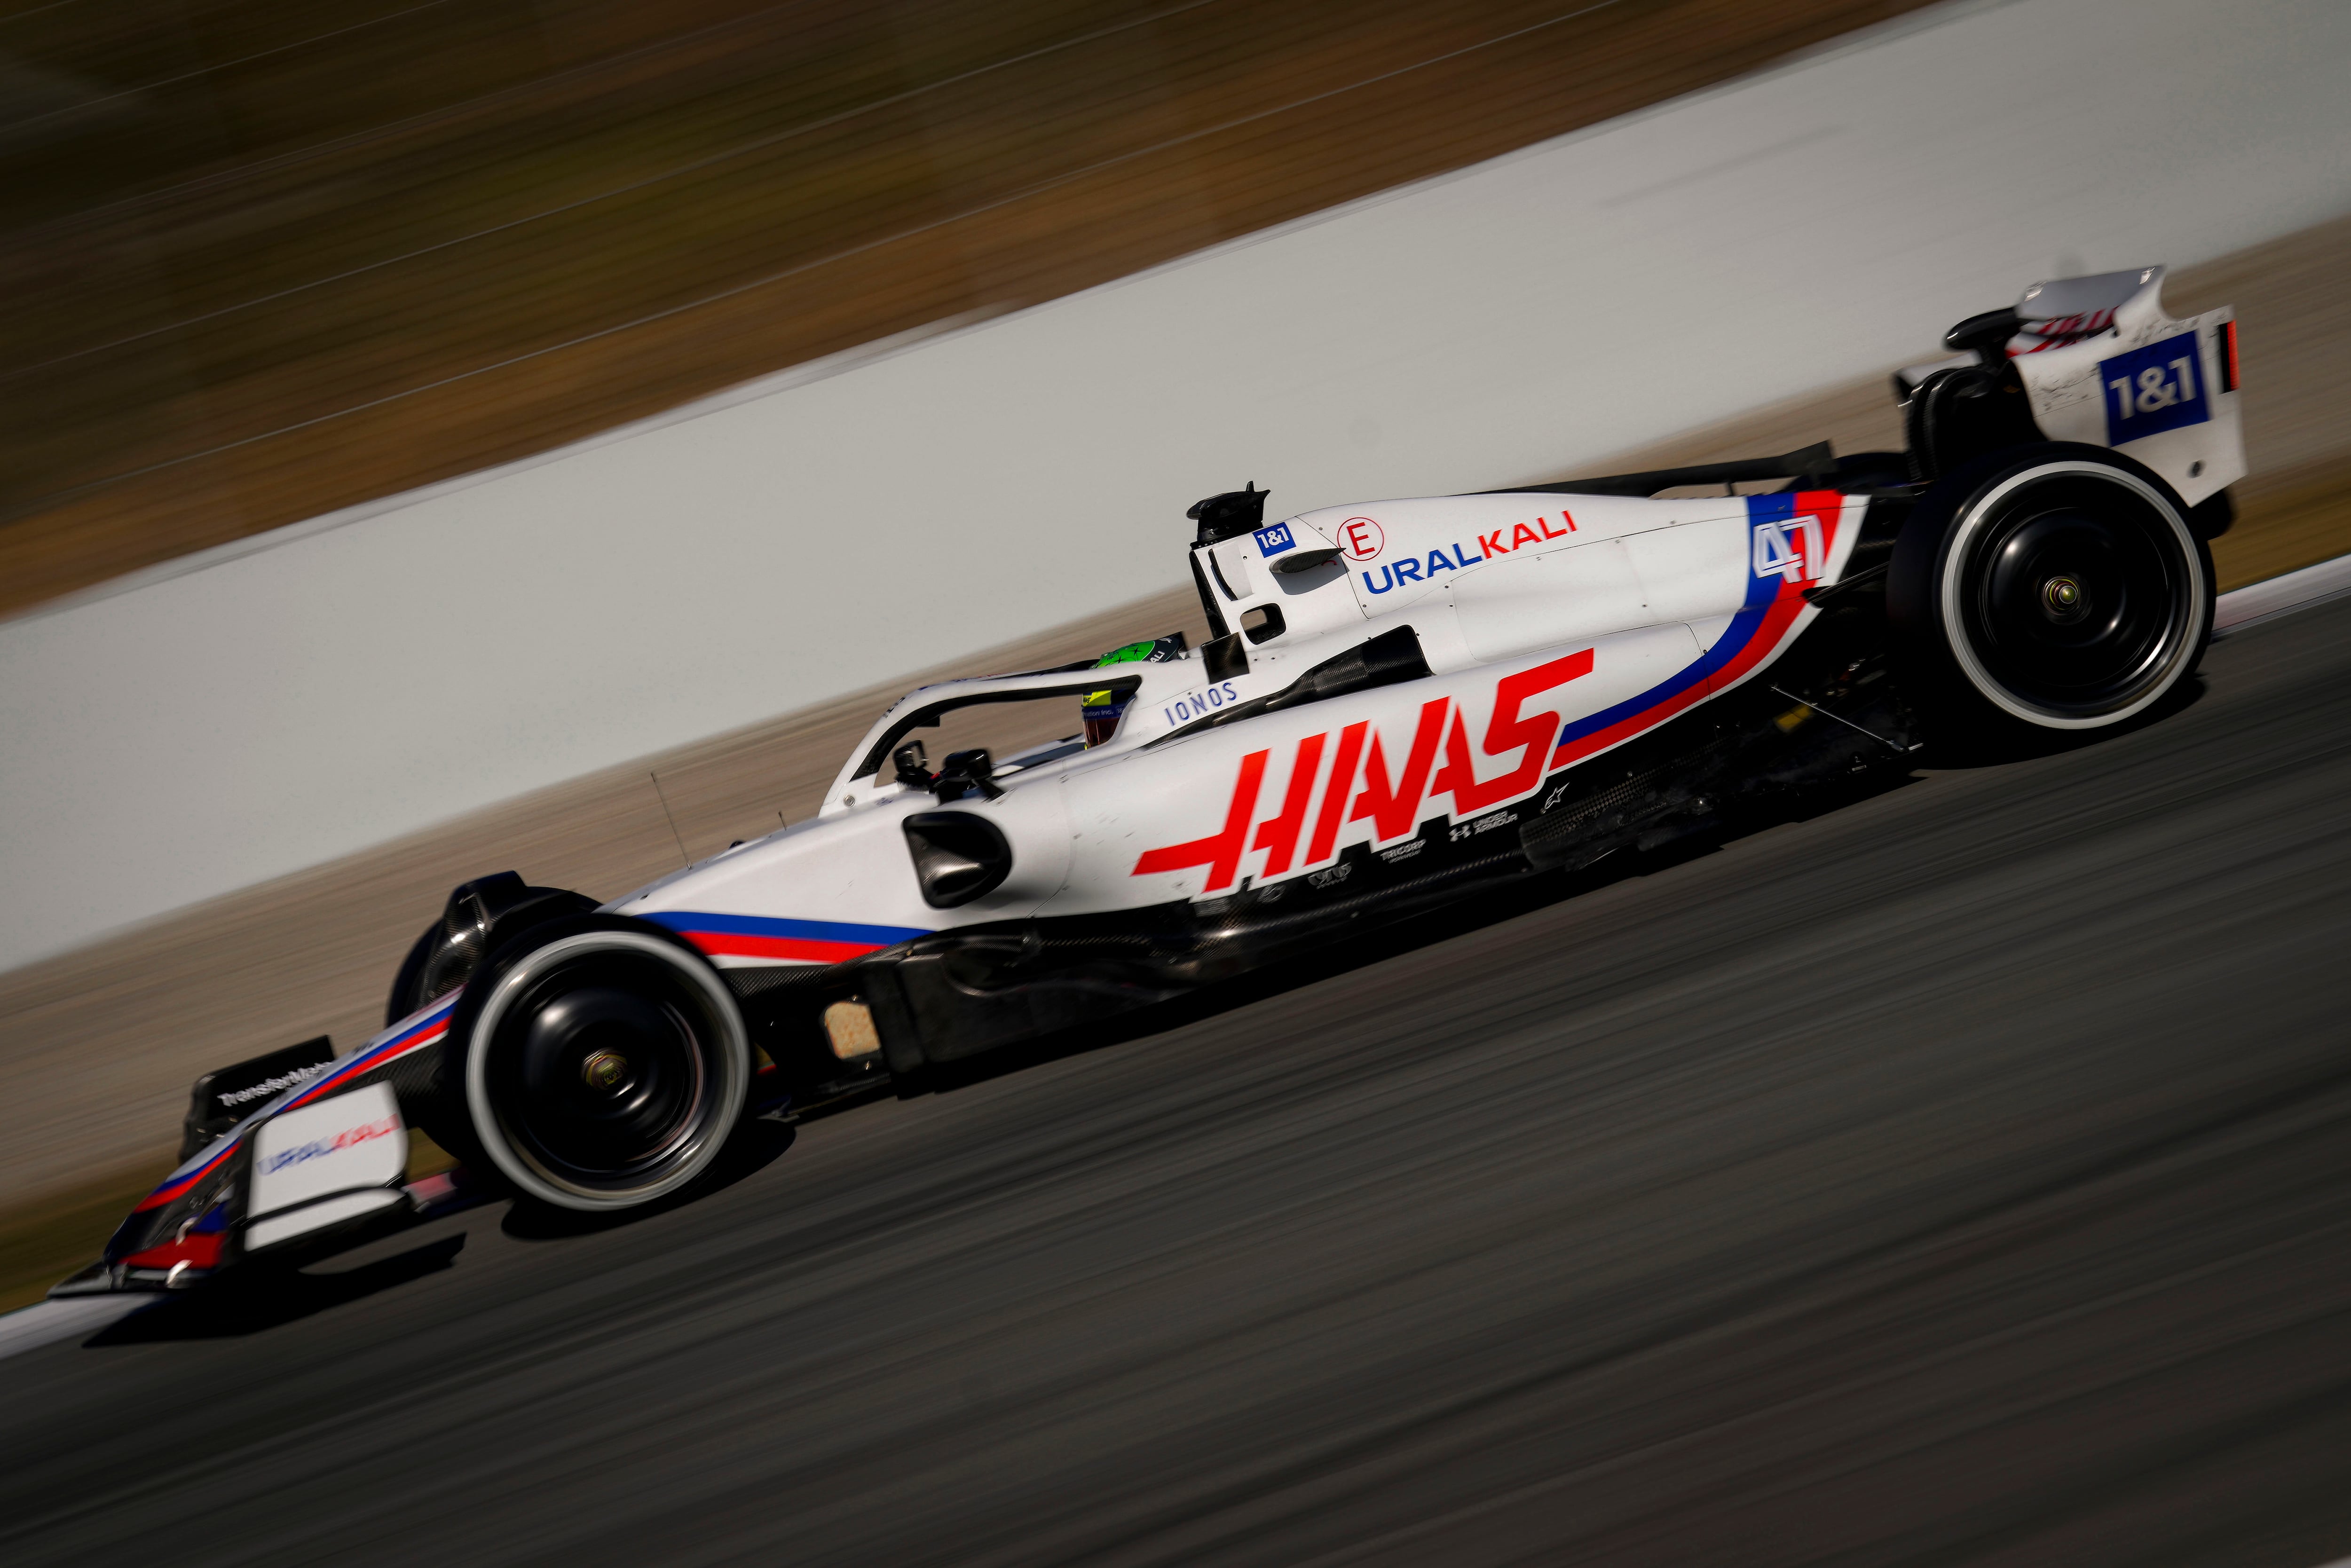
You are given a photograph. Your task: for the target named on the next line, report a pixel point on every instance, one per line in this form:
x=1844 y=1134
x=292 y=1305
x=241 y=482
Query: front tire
x=604 y=1063
x=2048 y=587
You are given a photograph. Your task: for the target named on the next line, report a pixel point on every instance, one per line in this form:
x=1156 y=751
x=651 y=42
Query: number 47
x=1790 y=551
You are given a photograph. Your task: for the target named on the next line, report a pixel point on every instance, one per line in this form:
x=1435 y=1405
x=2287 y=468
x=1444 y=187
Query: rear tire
x=602 y=1063
x=2050 y=587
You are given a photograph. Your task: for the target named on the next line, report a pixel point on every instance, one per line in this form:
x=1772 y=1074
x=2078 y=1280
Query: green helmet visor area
x=1101 y=710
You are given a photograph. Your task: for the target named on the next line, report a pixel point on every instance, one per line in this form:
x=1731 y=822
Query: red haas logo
x=1392 y=797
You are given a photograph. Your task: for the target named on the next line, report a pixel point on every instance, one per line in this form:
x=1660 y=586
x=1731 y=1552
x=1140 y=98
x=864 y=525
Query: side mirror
x=973 y=770
x=914 y=766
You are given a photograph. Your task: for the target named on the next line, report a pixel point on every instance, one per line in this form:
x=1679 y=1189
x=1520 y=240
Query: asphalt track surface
x=1962 y=1175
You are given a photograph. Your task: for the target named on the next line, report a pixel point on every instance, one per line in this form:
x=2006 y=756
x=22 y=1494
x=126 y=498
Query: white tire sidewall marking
x=1948 y=606
x=735 y=1075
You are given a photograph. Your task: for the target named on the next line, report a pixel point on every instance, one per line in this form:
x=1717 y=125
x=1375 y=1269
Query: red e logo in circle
x=1362 y=539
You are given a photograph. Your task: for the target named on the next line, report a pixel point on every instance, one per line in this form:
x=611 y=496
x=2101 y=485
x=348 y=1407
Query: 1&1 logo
x=2151 y=390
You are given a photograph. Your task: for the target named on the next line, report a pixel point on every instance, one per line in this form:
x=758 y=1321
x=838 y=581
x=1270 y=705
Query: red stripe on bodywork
x=1625 y=728
x=170 y=1191
x=805 y=949
x=368 y=1063
x=1825 y=507
x=1787 y=603
x=198 y=1250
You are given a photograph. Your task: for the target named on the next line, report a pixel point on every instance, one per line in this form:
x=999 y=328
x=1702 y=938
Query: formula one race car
x=1402 y=703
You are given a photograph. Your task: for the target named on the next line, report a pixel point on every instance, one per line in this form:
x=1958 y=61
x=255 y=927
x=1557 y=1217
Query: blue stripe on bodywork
x=1761 y=592
x=804 y=930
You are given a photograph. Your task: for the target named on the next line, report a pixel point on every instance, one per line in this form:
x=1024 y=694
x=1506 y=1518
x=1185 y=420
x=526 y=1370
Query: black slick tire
x=2047 y=589
x=595 y=1063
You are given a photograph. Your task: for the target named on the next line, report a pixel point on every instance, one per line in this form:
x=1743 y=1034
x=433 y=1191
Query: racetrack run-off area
x=1954 y=1176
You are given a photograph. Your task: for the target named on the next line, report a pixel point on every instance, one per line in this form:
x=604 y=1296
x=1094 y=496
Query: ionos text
x=1199 y=704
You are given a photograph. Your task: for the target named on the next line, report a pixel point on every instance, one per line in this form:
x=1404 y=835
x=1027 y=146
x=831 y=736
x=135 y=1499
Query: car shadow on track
x=1490 y=908
x=255 y=1298
x=2015 y=748
x=755 y=1146
x=246 y=1303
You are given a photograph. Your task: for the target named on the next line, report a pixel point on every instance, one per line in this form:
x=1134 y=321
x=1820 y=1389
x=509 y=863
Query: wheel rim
x=2075 y=595
x=603 y=1080
x=606 y=1071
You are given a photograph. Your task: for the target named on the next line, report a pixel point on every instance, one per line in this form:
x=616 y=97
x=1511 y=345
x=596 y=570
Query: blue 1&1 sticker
x=2151 y=390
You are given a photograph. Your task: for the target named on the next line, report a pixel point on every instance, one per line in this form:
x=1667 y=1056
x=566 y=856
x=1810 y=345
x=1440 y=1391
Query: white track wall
x=262 y=708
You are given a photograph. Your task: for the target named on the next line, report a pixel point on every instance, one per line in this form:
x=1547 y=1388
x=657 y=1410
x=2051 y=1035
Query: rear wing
x=2101 y=363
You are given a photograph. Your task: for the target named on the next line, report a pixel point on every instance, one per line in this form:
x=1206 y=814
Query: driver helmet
x=1102 y=710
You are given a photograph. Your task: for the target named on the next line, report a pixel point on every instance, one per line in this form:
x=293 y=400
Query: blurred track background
x=271 y=257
